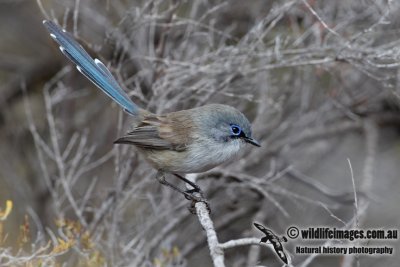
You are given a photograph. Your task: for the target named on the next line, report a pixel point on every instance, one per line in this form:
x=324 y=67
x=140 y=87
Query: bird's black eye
x=235 y=130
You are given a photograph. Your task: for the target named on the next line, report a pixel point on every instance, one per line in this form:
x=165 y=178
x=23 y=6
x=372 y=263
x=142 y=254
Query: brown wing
x=170 y=132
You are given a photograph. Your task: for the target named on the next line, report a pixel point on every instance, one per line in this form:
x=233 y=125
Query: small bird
x=187 y=141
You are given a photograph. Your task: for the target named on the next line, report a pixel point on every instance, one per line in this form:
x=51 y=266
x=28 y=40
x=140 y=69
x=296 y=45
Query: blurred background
x=318 y=79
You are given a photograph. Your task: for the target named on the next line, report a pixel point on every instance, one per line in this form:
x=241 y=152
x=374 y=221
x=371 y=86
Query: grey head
x=224 y=124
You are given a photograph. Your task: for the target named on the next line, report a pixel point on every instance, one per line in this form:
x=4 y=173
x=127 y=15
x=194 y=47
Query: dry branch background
x=318 y=79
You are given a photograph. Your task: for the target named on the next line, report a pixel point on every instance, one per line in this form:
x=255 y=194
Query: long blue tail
x=93 y=69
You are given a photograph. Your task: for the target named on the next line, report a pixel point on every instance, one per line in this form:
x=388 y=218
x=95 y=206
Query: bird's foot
x=196 y=197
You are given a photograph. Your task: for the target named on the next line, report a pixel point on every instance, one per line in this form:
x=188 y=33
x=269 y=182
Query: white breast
x=200 y=156
x=206 y=155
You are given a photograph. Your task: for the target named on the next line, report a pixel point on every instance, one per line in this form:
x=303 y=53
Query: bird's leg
x=196 y=191
x=196 y=188
x=189 y=194
x=161 y=178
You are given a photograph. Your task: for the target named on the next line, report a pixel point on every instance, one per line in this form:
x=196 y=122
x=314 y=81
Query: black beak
x=252 y=141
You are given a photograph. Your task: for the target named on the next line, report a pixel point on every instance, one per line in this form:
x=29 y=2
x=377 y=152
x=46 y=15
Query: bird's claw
x=196 y=197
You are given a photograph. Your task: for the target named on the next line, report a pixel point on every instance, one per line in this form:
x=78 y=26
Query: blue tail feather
x=93 y=69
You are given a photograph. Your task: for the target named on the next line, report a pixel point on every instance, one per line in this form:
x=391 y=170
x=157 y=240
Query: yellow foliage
x=95 y=260
x=157 y=262
x=63 y=245
x=4 y=214
x=73 y=235
x=175 y=252
x=86 y=241
x=71 y=228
